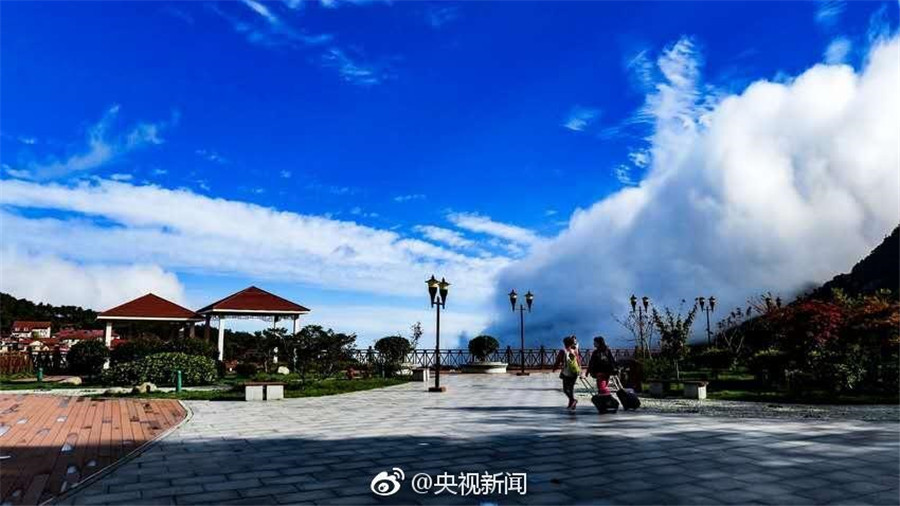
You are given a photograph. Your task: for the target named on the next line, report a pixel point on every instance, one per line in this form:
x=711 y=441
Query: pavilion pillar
x=295 y=323
x=275 y=350
x=107 y=339
x=206 y=330
x=191 y=332
x=221 y=338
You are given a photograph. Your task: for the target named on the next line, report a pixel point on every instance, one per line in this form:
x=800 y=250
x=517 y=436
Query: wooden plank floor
x=49 y=443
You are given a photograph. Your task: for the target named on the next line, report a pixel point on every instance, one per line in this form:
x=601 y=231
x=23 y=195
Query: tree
x=393 y=351
x=482 y=346
x=87 y=357
x=638 y=326
x=318 y=351
x=416 y=333
x=674 y=331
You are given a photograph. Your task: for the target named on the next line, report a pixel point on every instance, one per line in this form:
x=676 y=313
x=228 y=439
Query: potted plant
x=480 y=350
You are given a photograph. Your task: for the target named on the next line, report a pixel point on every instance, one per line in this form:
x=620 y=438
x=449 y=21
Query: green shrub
x=769 y=365
x=193 y=346
x=160 y=369
x=123 y=374
x=657 y=368
x=717 y=359
x=136 y=349
x=483 y=346
x=86 y=358
x=246 y=369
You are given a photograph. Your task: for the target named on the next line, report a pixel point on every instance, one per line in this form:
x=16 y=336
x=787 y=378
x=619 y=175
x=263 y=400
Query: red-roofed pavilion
x=149 y=308
x=250 y=302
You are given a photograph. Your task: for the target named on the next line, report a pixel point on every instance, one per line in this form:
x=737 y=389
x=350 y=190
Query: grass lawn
x=292 y=390
x=739 y=385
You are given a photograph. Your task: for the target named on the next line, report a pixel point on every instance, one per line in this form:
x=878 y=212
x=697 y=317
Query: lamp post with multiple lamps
x=437 y=294
x=641 y=310
x=529 y=300
x=707 y=309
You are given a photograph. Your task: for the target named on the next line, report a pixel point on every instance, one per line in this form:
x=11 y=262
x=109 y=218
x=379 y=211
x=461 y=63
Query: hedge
x=160 y=369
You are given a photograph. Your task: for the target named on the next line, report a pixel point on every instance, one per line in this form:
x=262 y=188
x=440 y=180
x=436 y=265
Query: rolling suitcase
x=603 y=403
x=627 y=397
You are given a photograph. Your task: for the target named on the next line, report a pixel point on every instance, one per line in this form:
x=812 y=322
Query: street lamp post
x=437 y=294
x=641 y=310
x=529 y=300
x=707 y=309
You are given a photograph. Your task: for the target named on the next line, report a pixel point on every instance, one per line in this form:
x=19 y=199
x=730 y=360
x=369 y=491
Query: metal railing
x=535 y=358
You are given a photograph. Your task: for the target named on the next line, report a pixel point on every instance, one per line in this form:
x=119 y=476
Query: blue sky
x=478 y=128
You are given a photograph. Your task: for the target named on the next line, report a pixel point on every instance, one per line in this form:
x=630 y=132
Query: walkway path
x=327 y=450
x=49 y=443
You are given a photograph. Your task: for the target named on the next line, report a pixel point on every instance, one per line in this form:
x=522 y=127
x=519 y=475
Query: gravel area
x=743 y=409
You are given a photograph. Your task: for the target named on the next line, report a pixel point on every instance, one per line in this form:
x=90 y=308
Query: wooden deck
x=49 y=443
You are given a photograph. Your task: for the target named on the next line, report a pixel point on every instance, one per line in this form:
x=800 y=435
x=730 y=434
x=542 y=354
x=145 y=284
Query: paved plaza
x=328 y=449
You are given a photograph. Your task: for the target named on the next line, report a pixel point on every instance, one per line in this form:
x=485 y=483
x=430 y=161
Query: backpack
x=572 y=367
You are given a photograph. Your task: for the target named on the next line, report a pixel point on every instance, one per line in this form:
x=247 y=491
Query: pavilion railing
x=535 y=358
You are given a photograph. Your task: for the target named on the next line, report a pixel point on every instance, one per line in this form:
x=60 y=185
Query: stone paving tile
x=327 y=450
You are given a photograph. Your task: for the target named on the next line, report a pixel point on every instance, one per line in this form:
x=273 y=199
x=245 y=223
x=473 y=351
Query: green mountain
x=880 y=270
x=12 y=309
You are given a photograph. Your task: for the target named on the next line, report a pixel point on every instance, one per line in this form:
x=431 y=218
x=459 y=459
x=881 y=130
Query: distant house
x=30 y=330
x=35 y=345
x=68 y=337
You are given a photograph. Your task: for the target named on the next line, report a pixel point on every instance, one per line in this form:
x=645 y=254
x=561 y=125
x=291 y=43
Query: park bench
x=659 y=387
x=692 y=389
x=263 y=391
x=695 y=389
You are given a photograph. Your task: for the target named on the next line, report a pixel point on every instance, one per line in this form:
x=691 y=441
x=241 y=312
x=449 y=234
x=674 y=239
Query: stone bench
x=695 y=389
x=421 y=374
x=659 y=387
x=692 y=389
x=263 y=391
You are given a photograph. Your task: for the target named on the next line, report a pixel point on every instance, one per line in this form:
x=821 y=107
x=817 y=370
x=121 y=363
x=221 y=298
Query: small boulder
x=74 y=380
x=283 y=370
x=144 y=388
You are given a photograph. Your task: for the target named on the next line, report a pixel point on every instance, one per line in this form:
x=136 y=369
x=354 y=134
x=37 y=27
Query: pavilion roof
x=254 y=300
x=149 y=307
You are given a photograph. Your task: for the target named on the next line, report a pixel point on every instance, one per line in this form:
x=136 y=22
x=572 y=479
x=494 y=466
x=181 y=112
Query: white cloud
x=352 y=69
x=829 y=12
x=52 y=280
x=186 y=232
x=286 y=174
x=440 y=16
x=623 y=174
x=407 y=198
x=580 y=118
x=103 y=148
x=772 y=189
x=444 y=235
x=121 y=177
x=372 y=322
x=266 y=28
x=838 y=50
x=474 y=222
x=27 y=140
x=212 y=156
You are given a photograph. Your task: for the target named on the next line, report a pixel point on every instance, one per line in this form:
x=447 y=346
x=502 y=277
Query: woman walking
x=602 y=365
x=570 y=362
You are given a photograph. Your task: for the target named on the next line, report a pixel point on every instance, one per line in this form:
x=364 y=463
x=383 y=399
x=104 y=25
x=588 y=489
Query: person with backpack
x=570 y=361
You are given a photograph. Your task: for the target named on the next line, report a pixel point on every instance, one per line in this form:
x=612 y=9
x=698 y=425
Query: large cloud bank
x=56 y=281
x=781 y=186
